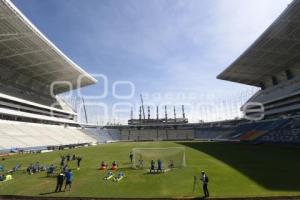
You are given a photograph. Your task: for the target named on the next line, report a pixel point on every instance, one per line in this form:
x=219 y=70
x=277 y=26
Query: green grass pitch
x=234 y=170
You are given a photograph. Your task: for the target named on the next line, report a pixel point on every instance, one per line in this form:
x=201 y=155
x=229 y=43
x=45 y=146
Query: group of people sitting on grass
x=7 y=175
x=51 y=170
x=35 y=168
x=104 y=166
x=116 y=178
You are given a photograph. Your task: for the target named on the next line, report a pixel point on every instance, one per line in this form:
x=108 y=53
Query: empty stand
x=103 y=135
x=156 y=134
x=212 y=133
x=30 y=135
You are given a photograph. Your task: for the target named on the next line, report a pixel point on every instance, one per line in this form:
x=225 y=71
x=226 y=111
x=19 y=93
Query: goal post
x=174 y=155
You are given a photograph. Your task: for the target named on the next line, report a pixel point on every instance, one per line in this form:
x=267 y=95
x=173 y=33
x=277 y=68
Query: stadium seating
x=254 y=130
x=29 y=135
x=125 y=135
x=180 y=134
x=162 y=135
x=156 y=134
x=27 y=95
x=115 y=134
x=280 y=91
x=103 y=135
x=212 y=133
x=287 y=133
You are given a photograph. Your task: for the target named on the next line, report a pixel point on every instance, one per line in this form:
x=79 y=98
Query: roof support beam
x=36 y=64
x=24 y=53
x=5 y=17
x=17 y=36
x=48 y=73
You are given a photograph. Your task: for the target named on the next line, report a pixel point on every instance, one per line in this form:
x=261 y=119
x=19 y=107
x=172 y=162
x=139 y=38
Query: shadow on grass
x=46 y=193
x=274 y=168
x=49 y=177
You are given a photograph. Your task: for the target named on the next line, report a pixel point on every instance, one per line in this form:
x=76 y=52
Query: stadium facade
x=272 y=63
x=32 y=72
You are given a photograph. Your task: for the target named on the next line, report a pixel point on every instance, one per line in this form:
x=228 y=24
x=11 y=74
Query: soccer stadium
x=46 y=152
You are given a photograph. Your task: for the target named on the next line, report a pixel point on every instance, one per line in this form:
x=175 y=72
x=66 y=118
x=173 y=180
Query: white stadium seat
x=26 y=135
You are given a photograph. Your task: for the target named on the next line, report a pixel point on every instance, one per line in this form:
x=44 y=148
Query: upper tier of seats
x=28 y=95
x=283 y=90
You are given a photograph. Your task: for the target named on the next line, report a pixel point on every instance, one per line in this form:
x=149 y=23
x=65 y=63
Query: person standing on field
x=78 y=162
x=131 y=157
x=69 y=179
x=204 y=179
x=59 y=181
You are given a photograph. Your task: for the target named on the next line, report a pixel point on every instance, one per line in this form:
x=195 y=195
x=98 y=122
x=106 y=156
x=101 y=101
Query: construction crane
x=149 y=112
x=84 y=109
x=143 y=110
x=166 y=114
x=174 y=114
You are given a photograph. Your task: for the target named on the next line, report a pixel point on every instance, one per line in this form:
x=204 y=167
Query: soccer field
x=234 y=170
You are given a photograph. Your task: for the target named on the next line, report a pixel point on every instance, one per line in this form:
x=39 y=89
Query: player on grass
x=159 y=165
x=69 y=179
x=79 y=159
x=59 y=181
x=152 y=166
x=171 y=164
x=131 y=157
x=204 y=179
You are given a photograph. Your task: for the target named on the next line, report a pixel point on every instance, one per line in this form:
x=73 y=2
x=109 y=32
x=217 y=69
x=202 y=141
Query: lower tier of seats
x=25 y=135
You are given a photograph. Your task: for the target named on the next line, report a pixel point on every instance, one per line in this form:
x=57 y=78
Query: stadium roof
x=28 y=58
x=276 y=50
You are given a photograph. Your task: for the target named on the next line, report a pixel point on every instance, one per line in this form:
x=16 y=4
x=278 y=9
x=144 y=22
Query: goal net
x=169 y=156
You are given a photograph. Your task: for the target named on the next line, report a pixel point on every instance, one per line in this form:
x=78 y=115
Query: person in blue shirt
x=159 y=165
x=69 y=179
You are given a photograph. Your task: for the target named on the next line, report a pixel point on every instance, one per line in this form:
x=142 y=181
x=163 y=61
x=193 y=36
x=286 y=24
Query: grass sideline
x=235 y=170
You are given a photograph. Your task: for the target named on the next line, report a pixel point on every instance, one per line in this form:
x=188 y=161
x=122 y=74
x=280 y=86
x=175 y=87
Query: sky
x=168 y=50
